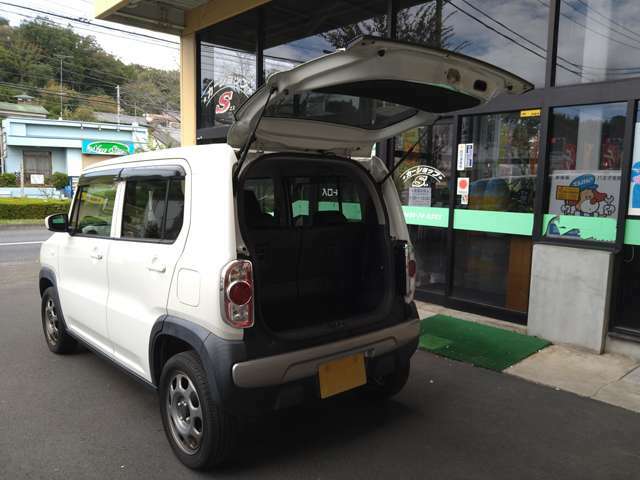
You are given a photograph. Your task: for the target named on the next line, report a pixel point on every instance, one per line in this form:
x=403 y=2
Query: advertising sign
x=36 y=179
x=462 y=156
x=106 y=147
x=220 y=103
x=634 y=190
x=585 y=193
x=421 y=175
x=468 y=160
x=463 y=186
x=419 y=197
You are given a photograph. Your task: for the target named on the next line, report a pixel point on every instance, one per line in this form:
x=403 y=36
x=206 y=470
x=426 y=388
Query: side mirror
x=58 y=222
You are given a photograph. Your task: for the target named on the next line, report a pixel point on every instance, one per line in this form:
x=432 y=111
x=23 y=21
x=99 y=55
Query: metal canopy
x=161 y=16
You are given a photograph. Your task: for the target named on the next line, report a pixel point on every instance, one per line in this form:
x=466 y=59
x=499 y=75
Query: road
x=76 y=416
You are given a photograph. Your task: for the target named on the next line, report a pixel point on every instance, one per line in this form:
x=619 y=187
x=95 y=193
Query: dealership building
x=525 y=209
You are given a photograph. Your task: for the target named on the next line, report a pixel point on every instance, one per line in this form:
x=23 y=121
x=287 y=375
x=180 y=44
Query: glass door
x=423 y=184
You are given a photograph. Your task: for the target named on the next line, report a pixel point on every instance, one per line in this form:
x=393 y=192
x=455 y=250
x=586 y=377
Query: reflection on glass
x=227 y=78
x=585 y=154
x=598 y=40
x=503 y=165
x=295 y=34
x=492 y=269
x=423 y=178
x=511 y=35
x=431 y=256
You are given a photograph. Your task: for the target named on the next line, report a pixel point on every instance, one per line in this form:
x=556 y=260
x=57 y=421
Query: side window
x=94 y=209
x=153 y=209
x=260 y=203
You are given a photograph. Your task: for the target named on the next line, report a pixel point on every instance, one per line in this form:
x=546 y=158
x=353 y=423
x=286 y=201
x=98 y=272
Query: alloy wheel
x=52 y=322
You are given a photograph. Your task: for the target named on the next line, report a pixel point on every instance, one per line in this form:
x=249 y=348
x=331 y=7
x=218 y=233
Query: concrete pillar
x=570 y=295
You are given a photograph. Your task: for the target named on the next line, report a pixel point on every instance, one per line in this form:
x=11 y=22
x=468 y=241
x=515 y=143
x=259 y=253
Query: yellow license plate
x=342 y=374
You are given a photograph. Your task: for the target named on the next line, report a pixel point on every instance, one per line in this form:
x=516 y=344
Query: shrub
x=8 y=180
x=58 y=180
x=30 y=208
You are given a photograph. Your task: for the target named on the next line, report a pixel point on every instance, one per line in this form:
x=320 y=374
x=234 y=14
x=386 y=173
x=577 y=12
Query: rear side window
x=153 y=209
x=94 y=209
x=260 y=203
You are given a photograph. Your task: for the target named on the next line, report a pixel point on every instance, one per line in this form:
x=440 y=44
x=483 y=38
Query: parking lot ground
x=76 y=416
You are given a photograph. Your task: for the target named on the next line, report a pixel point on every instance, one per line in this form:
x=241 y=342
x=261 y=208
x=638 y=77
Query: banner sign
x=588 y=194
x=106 y=147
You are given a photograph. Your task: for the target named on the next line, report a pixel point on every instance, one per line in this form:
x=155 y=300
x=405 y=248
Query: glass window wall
x=502 y=162
x=227 y=68
x=585 y=155
x=295 y=33
x=598 y=40
x=511 y=35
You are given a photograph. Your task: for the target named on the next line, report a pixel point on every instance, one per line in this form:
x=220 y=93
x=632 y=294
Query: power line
x=576 y=65
x=88 y=22
x=507 y=37
x=588 y=7
x=90 y=27
x=633 y=39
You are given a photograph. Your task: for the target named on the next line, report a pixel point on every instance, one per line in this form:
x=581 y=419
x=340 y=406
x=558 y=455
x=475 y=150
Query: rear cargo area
x=315 y=232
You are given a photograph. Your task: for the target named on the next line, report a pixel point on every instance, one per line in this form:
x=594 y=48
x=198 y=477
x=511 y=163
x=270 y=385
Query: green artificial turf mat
x=480 y=345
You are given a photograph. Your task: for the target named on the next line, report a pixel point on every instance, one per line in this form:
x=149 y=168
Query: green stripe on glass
x=576 y=227
x=426 y=216
x=632 y=232
x=493 y=222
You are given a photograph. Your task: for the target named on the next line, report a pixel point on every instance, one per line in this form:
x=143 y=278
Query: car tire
x=55 y=332
x=387 y=386
x=200 y=433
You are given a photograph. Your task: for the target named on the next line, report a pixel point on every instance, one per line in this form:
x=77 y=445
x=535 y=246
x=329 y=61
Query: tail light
x=410 y=269
x=236 y=293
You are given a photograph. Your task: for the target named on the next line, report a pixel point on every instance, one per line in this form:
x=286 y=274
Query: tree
x=83 y=114
x=343 y=36
x=423 y=24
x=51 y=99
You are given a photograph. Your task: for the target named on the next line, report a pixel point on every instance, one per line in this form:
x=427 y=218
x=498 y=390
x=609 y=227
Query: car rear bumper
x=300 y=364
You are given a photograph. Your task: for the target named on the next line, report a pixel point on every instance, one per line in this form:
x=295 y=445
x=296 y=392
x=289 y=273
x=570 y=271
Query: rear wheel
x=383 y=387
x=55 y=333
x=201 y=434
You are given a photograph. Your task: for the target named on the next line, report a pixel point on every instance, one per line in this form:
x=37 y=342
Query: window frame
x=75 y=208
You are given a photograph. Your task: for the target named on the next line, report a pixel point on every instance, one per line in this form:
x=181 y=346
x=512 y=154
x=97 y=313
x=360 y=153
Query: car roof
x=197 y=156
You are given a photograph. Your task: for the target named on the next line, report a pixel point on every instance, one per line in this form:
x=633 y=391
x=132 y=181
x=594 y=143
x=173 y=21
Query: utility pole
x=61 y=57
x=118 y=97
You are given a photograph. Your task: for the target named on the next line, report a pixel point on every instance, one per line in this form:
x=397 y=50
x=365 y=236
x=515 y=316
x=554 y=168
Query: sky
x=129 y=49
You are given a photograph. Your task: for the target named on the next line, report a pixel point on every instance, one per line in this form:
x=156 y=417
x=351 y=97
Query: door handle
x=155 y=266
x=96 y=256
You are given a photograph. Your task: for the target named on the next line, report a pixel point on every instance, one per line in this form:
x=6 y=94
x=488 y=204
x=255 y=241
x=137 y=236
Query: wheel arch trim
x=46 y=273
x=188 y=332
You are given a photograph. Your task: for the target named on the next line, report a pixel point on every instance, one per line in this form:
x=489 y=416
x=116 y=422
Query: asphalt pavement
x=78 y=417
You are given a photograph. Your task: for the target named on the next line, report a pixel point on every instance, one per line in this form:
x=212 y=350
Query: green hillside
x=30 y=63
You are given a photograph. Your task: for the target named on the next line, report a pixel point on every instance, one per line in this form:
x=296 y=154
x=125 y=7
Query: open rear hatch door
x=345 y=102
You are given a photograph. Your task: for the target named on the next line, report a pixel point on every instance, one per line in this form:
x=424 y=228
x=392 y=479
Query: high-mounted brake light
x=236 y=293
